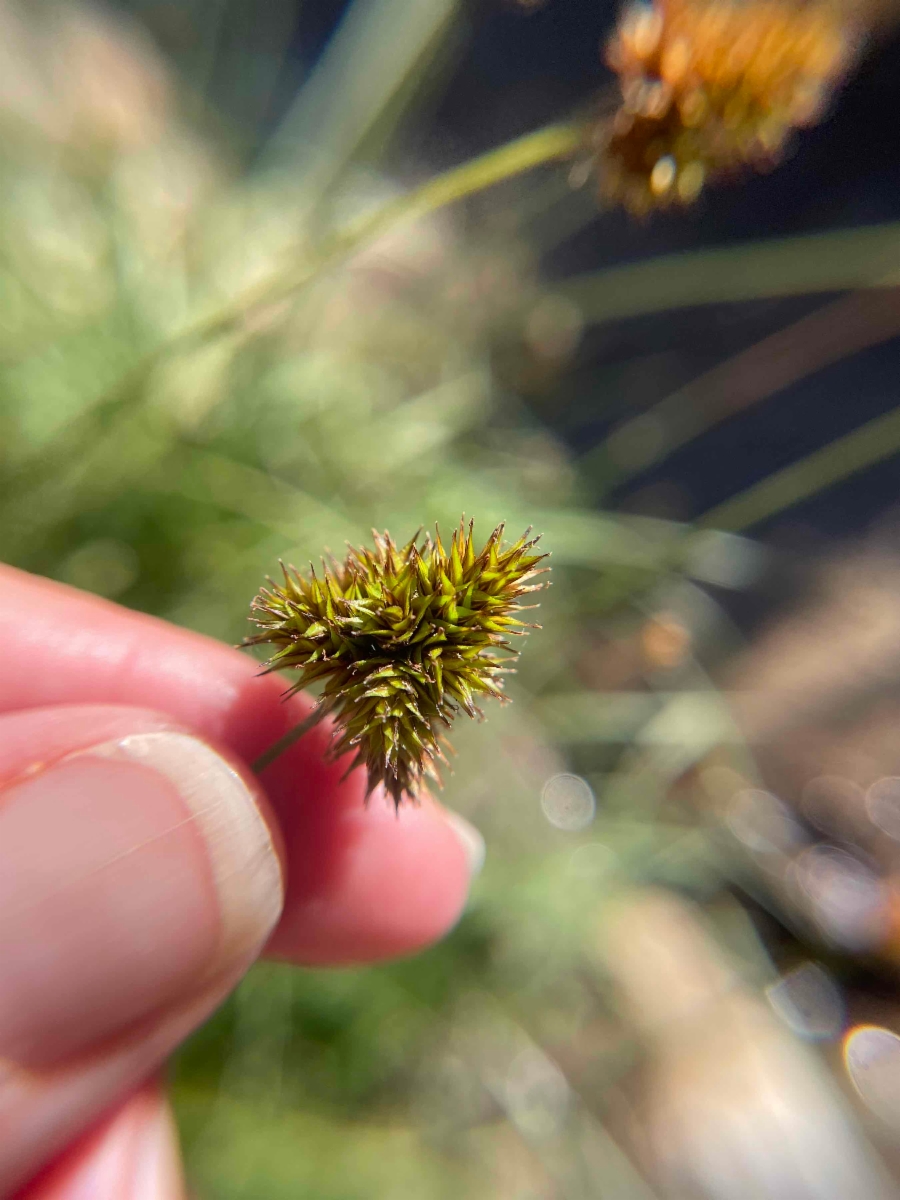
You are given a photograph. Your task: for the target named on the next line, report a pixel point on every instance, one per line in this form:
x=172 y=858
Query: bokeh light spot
x=872 y=1060
x=568 y=802
x=830 y=802
x=845 y=897
x=809 y=1001
x=762 y=822
x=883 y=805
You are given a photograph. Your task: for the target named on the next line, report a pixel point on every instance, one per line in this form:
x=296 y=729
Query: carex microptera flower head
x=400 y=640
x=713 y=87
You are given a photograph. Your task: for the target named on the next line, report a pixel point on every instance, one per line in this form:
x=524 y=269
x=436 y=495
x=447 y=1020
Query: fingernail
x=470 y=839
x=130 y=875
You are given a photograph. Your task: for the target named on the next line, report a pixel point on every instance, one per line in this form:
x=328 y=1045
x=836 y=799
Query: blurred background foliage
x=228 y=335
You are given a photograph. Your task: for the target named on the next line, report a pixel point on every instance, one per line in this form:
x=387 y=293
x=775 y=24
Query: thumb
x=138 y=879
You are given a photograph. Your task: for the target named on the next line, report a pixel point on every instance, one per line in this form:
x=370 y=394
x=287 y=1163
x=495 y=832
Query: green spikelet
x=400 y=640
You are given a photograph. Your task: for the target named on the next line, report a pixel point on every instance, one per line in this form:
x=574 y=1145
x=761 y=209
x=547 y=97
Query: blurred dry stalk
x=792 y=675
x=728 y=1106
x=835 y=331
x=817 y=699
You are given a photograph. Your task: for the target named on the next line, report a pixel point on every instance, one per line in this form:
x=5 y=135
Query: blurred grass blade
x=870 y=443
x=589 y=539
x=378 y=47
x=513 y=158
x=97 y=421
x=693 y=721
x=204 y=476
x=819 y=339
x=821 y=262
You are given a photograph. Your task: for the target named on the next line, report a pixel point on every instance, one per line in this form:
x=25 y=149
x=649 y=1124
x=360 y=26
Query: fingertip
x=365 y=882
x=386 y=883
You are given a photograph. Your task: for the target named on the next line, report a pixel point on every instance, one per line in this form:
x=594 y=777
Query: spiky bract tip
x=400 y=640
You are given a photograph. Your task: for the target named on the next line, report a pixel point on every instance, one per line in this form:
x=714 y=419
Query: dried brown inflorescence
x=710 y=88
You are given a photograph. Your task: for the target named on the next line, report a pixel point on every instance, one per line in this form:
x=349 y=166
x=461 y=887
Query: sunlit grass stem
x=544 y=146
x=515 y=158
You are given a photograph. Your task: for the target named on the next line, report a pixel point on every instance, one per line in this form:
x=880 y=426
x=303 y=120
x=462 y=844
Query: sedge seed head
x=710 y=88
x=399 y=641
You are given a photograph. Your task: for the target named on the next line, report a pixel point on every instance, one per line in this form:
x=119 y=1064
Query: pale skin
x=143 y=868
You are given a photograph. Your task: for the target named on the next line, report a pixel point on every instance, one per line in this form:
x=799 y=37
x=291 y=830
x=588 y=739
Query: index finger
x=362 y=882
x=62 y=646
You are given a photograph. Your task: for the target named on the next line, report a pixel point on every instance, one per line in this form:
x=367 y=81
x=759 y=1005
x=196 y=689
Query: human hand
x=142 y=870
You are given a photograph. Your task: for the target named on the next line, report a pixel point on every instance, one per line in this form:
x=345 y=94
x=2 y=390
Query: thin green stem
x=515 y=158
x=534 y=149
x=868 y=257
x=285 y=743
